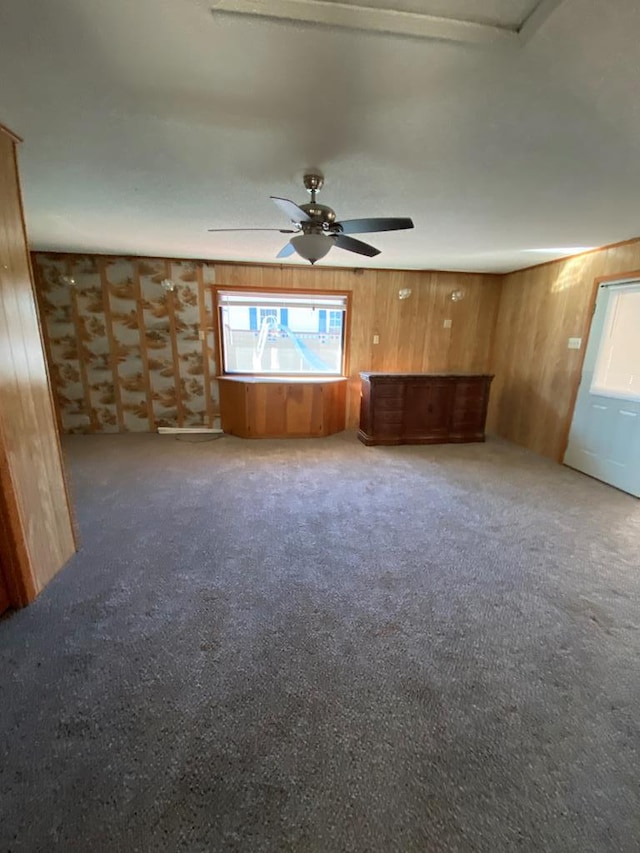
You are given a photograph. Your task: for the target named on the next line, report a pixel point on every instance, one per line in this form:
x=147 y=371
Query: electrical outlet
x=574 y=343
x=446 y=324
x=376 y=339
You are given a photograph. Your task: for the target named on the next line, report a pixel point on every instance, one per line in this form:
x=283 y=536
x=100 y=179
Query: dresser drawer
x=391 y=417
x=379 y=392
x=388 y=404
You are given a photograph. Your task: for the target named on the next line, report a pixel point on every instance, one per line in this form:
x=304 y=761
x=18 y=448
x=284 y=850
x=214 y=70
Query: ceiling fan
x=317 y=229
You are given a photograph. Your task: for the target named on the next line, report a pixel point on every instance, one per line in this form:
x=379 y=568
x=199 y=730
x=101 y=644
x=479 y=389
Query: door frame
x=626 y=277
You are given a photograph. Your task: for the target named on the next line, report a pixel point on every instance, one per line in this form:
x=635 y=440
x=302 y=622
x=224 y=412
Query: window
x=269 y=312
x=335 y=322
x=617 y=370
x=282 y=333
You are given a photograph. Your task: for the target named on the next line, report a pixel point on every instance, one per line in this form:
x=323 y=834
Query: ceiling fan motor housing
x=320 y=215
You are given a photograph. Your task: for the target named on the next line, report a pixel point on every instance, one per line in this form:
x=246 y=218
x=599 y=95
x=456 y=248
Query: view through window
x=617 y=370
x=282 y=333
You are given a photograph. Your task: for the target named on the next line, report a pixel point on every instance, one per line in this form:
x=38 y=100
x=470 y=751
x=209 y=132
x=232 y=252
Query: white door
x=604 y=440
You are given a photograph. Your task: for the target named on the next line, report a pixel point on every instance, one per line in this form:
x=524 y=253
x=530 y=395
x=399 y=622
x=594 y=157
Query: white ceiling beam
x=369 y=19
x=537 y=18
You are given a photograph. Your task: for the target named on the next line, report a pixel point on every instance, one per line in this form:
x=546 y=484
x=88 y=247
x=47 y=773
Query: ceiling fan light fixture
x=312 y=247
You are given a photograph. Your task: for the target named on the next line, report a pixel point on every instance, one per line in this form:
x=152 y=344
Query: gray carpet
x=316 y=646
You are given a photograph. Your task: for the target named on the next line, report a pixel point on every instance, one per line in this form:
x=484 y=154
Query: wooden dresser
x=423 y=408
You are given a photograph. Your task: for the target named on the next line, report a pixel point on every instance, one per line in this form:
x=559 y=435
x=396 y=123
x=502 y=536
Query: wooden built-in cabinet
x=279 y=407
x=423 y=408
x=36 y=530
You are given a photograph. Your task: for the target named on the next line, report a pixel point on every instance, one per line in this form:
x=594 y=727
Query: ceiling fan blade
x=280 y=230
x=364 y=226
x=351 y=245
x=291 y=209
x=286 y=250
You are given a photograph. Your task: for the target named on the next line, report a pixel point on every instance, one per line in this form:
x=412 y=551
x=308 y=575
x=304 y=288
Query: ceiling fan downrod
x=314 y=182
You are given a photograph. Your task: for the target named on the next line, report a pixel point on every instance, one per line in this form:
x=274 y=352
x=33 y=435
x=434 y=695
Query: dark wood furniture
x=423 y=408
x=279 y=407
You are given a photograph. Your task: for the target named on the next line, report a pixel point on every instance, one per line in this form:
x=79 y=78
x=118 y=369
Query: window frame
x=284 y=292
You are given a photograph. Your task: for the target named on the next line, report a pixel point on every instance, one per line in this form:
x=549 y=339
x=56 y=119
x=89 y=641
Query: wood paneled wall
x=125 y=355
x=35 y=523
x=537 y=376
x=412 y=335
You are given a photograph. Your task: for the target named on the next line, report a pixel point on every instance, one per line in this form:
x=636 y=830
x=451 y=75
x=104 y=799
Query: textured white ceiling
x=146 y=123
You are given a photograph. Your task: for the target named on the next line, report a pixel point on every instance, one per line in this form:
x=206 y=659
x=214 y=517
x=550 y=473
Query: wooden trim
x=623 y=277
x=217 y=331
x=204 y=333
x=171 y=302
x=296 y=291
x=586 y=332
x=346 y=352
x=143 y=344
x=113 y=360
x=10 y=133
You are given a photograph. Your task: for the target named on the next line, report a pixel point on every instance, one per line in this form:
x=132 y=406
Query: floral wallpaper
x=127 y=353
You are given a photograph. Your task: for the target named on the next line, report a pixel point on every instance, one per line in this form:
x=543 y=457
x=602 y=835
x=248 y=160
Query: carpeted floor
x=315 y=646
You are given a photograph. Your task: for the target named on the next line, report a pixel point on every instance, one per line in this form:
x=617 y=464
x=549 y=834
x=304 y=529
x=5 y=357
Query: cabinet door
x=427 y=410
x=469 y=409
